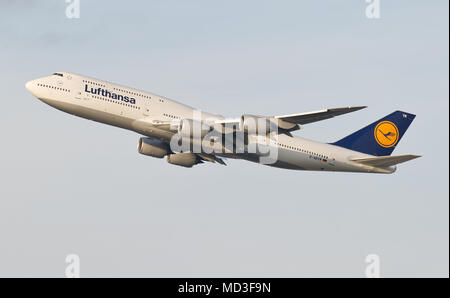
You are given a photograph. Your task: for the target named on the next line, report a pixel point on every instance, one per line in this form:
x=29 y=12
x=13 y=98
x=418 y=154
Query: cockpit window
x=58 y=74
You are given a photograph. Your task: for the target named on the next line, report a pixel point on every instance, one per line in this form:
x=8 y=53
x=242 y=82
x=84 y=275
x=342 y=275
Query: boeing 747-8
x=186 y=136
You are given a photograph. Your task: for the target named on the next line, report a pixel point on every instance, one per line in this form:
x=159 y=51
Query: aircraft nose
x=28 y=85
x=31 y=86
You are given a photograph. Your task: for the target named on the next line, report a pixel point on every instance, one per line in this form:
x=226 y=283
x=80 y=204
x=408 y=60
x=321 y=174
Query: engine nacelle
x=257 y=125
x=187 y=160
x=152 y=147
x=187 y=127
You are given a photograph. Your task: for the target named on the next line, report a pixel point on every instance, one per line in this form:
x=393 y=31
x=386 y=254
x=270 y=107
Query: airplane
x=161 y=121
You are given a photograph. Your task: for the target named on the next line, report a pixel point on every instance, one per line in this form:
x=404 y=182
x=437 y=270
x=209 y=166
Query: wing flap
x=385 y=161
x=211 y=158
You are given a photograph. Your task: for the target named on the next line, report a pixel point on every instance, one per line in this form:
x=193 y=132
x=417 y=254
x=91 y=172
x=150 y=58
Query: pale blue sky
x=69 y=185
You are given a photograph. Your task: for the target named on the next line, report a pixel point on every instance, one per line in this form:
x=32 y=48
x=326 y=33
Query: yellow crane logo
x=386 y=134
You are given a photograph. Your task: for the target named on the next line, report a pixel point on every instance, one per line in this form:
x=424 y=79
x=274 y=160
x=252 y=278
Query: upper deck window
x=58 y=74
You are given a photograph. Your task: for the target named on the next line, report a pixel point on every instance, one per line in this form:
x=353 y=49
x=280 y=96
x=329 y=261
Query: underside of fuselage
x=148 y=130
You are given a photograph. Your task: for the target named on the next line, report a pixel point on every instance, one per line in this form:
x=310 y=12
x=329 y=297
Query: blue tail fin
x=380 y=137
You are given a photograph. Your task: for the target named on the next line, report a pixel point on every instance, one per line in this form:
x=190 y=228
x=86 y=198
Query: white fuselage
x=141 y=111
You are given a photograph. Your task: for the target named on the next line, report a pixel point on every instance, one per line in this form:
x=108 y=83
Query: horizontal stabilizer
x=385 y=161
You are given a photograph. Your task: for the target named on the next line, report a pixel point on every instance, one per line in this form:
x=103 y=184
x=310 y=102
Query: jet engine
x=257 y=125
x=187 y=160
x=153 y=147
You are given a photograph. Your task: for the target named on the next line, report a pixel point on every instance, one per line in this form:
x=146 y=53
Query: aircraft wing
x=309 y=117
x=385 y=161
x=292 y=122
x=287 y=122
